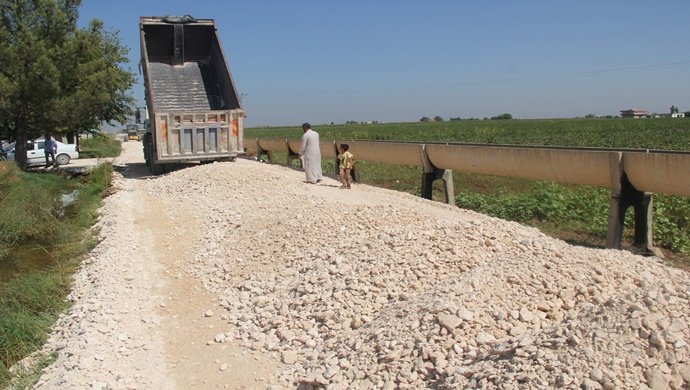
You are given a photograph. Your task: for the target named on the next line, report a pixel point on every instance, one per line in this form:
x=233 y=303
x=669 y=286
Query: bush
x=28 y=201
x=672 y=222
x=29 y=305
x=31 y=301
x=99 y=146
x=583 y=210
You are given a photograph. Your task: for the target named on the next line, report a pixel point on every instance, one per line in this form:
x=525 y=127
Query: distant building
x=635 y=113
x=671 y=115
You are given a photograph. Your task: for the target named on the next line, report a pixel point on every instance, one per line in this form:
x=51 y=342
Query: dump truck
x=195 y=114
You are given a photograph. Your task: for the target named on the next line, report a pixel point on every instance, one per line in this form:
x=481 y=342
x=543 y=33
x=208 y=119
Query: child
x=346 y=161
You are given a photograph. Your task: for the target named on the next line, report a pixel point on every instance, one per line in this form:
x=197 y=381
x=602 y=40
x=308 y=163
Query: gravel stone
x=371 y=288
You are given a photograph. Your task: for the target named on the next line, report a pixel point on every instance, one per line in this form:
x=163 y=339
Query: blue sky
x=396 y=61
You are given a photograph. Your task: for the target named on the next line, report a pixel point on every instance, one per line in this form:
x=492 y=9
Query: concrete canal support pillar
x=337 y=160
x=354 y=172
x=623 y=196
x=291 y=156
x=431 y=174
x=262 y=152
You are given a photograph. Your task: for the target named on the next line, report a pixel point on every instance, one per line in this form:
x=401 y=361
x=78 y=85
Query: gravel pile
x=368 y=288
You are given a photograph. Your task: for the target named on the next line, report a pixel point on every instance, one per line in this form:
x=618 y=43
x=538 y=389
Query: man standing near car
x=49 y=149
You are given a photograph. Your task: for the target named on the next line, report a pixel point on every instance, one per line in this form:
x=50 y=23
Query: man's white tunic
x=311 y=156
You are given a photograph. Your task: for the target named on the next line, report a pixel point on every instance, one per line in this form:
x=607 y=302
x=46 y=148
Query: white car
x=4 y=148
x=36 y=156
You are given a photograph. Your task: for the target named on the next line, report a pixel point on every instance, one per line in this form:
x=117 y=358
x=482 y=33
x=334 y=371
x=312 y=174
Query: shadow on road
x=139 y=170
x=133 y=170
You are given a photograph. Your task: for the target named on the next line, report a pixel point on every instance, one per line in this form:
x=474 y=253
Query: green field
x=661 y=133
x=575 y=213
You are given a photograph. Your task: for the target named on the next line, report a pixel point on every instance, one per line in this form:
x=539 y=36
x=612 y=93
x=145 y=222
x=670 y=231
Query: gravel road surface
x=240 y=275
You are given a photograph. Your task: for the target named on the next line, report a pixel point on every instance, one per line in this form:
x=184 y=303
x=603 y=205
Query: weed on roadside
x=31 y=301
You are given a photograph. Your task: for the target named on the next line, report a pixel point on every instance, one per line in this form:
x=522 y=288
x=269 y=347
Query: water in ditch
x=31 y=257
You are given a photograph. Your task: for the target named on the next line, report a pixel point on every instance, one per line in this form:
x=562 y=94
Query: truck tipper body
x=194 y=110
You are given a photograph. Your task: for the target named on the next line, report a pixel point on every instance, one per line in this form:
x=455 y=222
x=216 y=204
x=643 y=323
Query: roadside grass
x=27 y=201
x=25 y=377
x=98 y=146
x=31 y=301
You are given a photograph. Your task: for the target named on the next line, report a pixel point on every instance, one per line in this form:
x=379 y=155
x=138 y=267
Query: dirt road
x=240 y=275
x=139 y=319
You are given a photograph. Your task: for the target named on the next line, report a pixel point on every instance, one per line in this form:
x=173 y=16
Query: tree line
x=56 y=78
x=438 y=118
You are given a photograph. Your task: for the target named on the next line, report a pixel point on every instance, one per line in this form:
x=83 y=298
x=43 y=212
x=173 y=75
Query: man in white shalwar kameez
x=310 y=154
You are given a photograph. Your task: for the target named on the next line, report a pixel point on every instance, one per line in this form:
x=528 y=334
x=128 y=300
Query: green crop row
x=581 y=210
x=659 y=133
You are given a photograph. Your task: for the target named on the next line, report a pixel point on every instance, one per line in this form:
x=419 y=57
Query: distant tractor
x=133 y=133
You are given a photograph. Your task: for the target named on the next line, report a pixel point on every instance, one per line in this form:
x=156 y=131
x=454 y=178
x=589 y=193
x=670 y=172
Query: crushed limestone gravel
x=369 y=288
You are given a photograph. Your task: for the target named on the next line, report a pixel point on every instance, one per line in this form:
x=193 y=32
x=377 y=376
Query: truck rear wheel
x=154 y=169
x=157 y=169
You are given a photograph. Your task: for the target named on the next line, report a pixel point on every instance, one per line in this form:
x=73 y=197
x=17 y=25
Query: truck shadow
x=141 y=171
x=133 y=170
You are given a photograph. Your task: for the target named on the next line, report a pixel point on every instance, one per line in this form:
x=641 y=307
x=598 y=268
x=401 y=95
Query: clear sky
x=327 y=61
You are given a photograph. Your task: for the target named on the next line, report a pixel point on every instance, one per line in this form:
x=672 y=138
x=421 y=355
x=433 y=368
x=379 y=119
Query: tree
x=503 y=116
x=674 y=110
x=55 y=77
x=438 y=118
x=425 y=119
x=97 y=91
